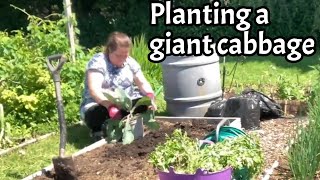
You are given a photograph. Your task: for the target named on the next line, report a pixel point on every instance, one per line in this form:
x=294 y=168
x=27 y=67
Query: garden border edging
x=26 y=143
x=80 y=152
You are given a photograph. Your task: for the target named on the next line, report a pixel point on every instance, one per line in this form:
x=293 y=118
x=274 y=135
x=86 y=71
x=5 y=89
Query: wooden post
x=68 y=12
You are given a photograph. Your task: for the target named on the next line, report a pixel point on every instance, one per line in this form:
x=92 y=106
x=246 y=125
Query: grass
x=25 y=161
x=252 y=69
x=264 y=73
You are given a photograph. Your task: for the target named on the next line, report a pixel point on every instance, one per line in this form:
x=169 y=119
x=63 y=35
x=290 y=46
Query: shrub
x=26 y=88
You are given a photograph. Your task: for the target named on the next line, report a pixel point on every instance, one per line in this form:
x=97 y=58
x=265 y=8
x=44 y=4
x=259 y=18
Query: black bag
x=246 y=108
x=268 y=107
x=216 y=108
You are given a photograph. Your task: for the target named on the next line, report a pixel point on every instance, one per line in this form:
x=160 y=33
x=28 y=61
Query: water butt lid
x=190 y=60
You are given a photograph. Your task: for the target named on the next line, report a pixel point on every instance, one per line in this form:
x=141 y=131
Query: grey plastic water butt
x=191 y=84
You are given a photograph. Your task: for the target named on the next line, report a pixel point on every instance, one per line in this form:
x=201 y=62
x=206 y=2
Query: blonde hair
x=117 y=39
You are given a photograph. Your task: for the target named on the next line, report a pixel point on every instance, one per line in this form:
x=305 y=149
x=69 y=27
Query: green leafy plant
x=304 y=149
x=117 y=129
x=185 y=155
x=303 y=153
x=291 y=90
x=244 y=154
x=179 y=151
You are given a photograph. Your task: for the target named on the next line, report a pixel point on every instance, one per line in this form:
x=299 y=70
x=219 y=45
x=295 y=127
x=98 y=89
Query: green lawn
x=262 y=72
x=25 y=161
x=251 y=70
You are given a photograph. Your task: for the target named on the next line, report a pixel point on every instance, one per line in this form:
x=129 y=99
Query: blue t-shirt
x=114 y=77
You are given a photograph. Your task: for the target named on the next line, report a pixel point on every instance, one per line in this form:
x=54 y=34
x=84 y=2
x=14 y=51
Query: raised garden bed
x=293 y=107
x=130 y=161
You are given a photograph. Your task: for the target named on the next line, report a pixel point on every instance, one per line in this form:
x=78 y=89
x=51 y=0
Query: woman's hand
x=114 y=112
x=146 y=88
x=153 y=105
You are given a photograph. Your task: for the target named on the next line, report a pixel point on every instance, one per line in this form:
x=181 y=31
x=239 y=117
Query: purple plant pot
x=225 y=174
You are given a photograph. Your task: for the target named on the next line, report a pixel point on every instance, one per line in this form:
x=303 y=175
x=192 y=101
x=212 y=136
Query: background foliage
x=26 y=88
x=97 y=18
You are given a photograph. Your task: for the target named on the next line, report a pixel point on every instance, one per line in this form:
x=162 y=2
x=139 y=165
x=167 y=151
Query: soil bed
x=130 y=161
